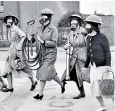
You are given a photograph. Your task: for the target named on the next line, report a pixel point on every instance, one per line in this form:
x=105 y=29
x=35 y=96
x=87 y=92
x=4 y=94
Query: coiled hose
x=27 y=52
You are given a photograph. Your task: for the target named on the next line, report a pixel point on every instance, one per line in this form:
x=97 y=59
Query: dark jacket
x=98 y=50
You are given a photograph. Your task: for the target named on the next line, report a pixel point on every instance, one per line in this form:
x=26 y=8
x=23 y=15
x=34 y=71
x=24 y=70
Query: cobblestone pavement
x=22 y=99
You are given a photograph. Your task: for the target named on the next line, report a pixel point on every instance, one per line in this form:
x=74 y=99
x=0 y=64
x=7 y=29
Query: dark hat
x=75 y=16
x=13 y=17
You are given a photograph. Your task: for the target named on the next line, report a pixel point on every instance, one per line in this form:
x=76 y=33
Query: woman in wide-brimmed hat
x=16 y=37
x=77 y=59
x=15 y=19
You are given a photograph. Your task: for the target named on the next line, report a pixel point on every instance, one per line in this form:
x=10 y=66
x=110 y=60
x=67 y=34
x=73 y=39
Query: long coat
x=46 y=70
x=78 y=56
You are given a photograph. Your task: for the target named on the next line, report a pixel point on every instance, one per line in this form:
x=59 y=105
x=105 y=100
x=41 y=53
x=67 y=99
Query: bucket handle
x=108 y=71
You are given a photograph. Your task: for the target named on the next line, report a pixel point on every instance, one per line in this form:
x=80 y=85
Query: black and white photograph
x=57 y=55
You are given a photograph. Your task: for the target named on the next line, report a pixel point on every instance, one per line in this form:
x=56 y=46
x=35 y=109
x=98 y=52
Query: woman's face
x=74 y=24
x=88 y=28
x=44 y=20
x=9 y=23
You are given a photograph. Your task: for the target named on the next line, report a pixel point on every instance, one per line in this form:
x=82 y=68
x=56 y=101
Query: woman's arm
x=106 y=48
x=54 y=38
x=87 y=61
x=22 y=35
x=87 y=57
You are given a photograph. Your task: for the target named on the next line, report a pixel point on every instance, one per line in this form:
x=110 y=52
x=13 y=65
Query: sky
x=104 y=7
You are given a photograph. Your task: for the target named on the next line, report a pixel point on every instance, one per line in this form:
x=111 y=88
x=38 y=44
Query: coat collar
x=77 y=31
x=47 y=29
x=93 y=33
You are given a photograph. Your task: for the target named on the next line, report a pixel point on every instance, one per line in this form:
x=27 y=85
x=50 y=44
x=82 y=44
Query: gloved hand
x=66 y=46
x=65 y=37
x=31 y=36
x=40 y=40
x=19 y=47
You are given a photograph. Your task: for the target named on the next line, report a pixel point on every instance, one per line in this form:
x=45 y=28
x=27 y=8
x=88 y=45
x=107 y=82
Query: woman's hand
x=65 y=36
x=66 y=46
x=19 y=47
x=38 y=38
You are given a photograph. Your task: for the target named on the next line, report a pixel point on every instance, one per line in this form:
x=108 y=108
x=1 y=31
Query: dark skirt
x=73 y=75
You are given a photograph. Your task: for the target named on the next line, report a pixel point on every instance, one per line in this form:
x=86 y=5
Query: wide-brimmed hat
x=94 y=19
x=47 y=11
x=75 y=16
x=13 y=17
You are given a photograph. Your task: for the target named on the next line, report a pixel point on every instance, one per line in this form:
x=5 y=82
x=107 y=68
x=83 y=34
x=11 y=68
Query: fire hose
x=32 y=47
x=32 y=62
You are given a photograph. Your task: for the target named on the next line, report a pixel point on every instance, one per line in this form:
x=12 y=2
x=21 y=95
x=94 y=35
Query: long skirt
x=73 y=77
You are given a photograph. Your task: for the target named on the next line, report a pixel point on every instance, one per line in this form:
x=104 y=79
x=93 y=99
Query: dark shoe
x=62 y=90
x=8 y=90
x=79 y=96
x=33 y=86
x=38 y=97
x=63 y=87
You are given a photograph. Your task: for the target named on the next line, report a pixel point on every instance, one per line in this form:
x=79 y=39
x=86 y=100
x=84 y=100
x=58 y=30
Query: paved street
x=22 y=99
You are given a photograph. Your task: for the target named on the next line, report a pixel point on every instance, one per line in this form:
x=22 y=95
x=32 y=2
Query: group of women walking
x=97 y=53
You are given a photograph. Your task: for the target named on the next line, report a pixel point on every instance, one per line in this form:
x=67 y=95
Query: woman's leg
x=100 y=99
x=3 y=82
x=42 y=85
x=40 y=94
x=73 y=77
x=56 y=78
x=34 y=83
x=10 y=83
x=32 y=80
x=80 y=88
x=30 y=74
x=10 y=80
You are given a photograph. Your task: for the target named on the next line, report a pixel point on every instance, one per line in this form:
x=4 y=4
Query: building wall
x=31 y=10
x=10 y=8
